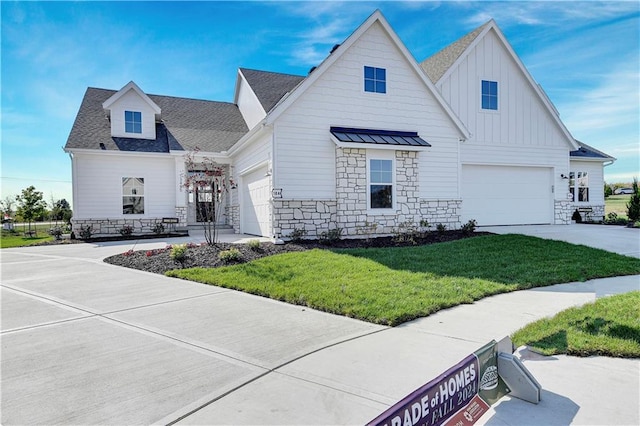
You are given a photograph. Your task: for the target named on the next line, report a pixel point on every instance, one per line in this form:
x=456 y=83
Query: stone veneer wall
x=596 y=215
x=351 y=192
x=233 y=217
x=181 y=214
x=314 y=216
x=113 y=226
x=563 y=210
x=446 y=212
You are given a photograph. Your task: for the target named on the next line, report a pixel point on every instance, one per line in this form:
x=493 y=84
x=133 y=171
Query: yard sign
x=458 y=397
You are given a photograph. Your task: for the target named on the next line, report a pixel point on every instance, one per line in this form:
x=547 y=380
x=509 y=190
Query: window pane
x=381 y=197
x=486 y=104
x=381 y=74
x=583 y=194
x=369 y=86
x=369 y=72
x=381 y=87
x=133 y=205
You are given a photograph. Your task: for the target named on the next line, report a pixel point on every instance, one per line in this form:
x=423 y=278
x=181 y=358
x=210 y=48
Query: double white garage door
x=507 y=195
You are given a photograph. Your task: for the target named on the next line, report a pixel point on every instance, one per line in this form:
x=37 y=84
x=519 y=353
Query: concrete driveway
x=84 y=342
x=616 y=239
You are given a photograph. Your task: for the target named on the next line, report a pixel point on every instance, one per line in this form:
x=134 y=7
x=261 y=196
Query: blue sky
x=584 y=54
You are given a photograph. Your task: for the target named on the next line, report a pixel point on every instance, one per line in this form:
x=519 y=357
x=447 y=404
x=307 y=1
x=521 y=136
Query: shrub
x=613 y=219
x=126 y=230
x=633 y=206
x=441 y=227
x=330 y=236
x=86 y=231
x=56 y=232
x=469 y=227
x=424 y=226
x=297 y=235
x=576 y=216
x=368 y=229
x=179 y=253
x=254 y=245
x=407 y=232
x=230 y=255
x=158 y=228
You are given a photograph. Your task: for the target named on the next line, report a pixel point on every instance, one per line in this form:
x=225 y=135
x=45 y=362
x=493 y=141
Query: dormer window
x=133 y=122
x=375 y=80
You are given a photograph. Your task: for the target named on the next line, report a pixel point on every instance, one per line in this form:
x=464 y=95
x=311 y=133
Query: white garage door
x=256 y=207
x=505 y=195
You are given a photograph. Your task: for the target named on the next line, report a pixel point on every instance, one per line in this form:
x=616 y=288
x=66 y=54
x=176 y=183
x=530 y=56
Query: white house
x=369 y=136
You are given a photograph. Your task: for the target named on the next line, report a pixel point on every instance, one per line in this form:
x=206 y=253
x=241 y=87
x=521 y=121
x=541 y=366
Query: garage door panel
x=502 y=195
x=256 y=205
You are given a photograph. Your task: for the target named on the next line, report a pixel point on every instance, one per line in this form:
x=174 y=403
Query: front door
x=205 y=209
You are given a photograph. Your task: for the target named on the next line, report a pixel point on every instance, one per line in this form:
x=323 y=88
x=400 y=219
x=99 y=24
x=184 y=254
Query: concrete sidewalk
x=86 y=342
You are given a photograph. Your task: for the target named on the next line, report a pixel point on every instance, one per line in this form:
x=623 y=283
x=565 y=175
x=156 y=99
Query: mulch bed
x=159 y=260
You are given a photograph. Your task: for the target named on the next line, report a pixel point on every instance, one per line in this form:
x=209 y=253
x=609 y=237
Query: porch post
x=181 y=193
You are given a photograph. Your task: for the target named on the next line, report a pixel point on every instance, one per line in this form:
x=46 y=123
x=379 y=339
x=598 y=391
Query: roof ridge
x=271 y=72
x=167 y=96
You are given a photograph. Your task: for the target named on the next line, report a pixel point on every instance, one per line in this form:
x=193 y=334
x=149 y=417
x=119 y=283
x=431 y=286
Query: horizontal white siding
x=595 y=173
x=131 y=101
x=249 y=105
x=98 y=185
x=305 y=155
x=522 y=119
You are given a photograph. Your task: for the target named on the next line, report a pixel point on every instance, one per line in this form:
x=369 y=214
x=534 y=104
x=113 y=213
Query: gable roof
x=340 y=49
x=270 y=87
x=187 y=124
x=435 y=66
x=466 y=44
x=587 y=152
x=131 y=86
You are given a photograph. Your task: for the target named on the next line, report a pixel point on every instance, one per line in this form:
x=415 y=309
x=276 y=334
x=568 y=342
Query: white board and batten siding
x=131 y=101
x=511 y=166
x=304 y=152
x=98 y=179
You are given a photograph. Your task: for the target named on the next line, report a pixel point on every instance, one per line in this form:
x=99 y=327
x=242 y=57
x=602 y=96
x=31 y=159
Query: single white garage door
x=506 y=195
x=256 y=206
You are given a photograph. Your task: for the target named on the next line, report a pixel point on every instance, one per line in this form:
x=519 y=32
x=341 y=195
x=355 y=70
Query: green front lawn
x=395 y=285
x=616 y=204
x=19 y=239
x=610 y=326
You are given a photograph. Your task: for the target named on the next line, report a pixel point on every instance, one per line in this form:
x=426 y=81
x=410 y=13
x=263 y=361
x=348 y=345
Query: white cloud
x=611 y=105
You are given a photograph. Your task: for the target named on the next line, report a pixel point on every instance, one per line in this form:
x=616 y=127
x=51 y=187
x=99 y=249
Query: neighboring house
x=368 y=138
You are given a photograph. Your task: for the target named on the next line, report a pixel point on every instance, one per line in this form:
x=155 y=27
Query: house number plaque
x=276 y=192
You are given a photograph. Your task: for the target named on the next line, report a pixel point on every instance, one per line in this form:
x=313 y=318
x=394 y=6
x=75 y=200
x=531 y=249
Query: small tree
x=61 y=210
x=6 y=206
x=211 y=185
x=31 y=204
x=633 y=206
x=607 y=190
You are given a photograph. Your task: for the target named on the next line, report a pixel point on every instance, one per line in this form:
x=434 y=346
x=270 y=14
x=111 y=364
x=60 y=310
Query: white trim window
x=489 y=95
x=133 y=122
x=381 y=184
x=579 y=186
x=375 y=79
x=132 y=195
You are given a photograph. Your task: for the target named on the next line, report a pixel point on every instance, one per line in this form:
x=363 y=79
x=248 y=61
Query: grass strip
x=394 y=285
x=610 y=326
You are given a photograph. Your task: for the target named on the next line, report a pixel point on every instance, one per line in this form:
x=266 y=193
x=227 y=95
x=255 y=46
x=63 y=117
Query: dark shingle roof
x=438 y=64
x=270 y=87
x=186 y=124
x=586 y=151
